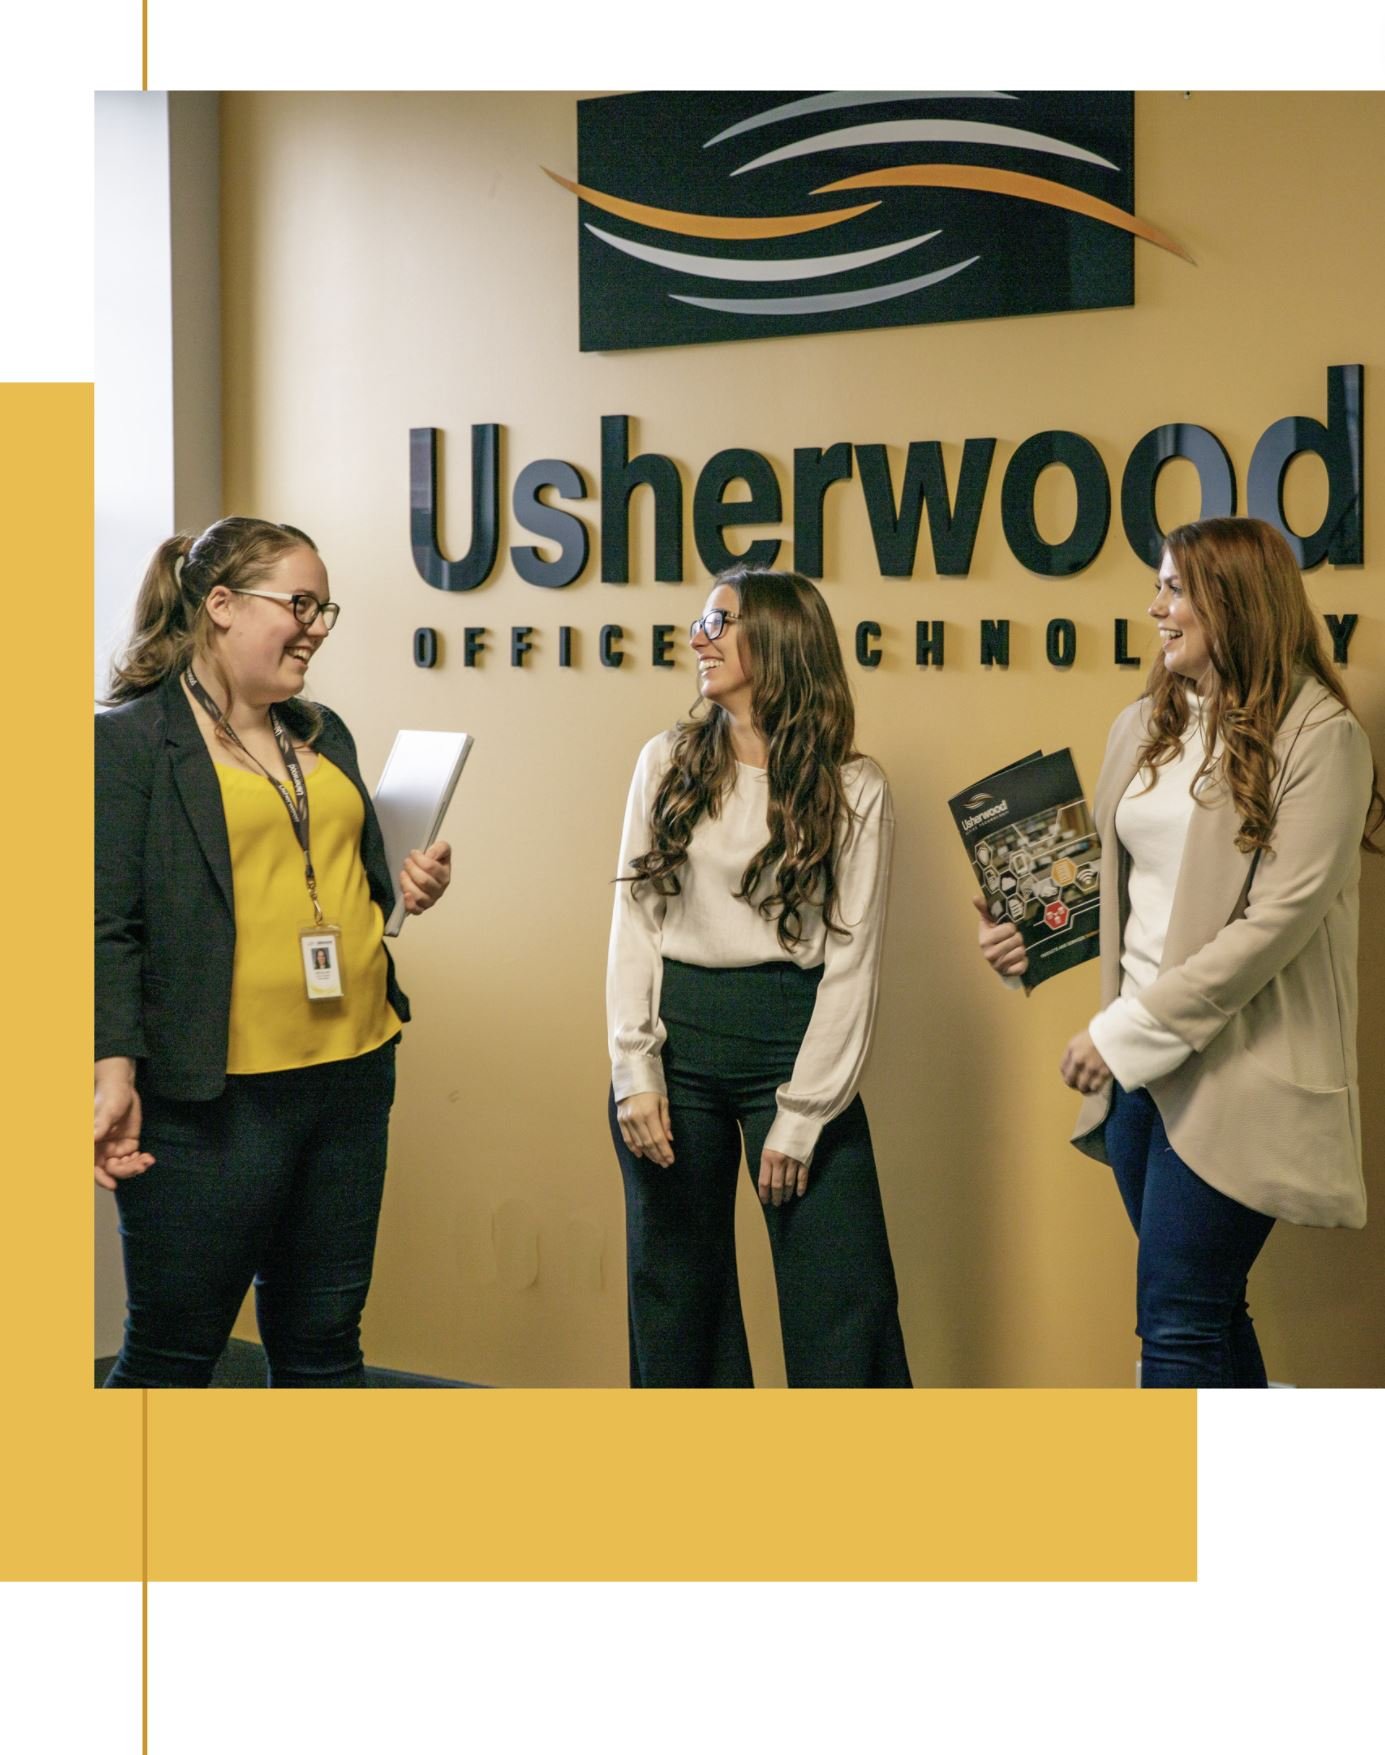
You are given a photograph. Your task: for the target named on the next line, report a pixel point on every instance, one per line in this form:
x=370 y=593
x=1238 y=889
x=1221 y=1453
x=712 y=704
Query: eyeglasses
x=712 y=624
x=306 y=608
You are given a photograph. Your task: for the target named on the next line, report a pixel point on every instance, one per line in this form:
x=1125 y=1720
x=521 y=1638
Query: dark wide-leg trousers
x=277 y=1181
x=733 y=1035
x=1197 y=1247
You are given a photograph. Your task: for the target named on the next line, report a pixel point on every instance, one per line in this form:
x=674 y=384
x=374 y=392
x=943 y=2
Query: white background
x=1276 y=1648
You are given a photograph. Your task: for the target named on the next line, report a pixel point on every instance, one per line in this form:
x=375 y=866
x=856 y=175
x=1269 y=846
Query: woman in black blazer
x=242 y=1088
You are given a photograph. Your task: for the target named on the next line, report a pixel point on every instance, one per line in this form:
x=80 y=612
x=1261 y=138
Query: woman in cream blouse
x=744 y=958
x=246 y=1007
x=1220 y=1072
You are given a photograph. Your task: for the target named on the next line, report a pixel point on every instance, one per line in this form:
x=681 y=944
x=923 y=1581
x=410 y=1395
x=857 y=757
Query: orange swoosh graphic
x=1009 y=183
x=708 y=225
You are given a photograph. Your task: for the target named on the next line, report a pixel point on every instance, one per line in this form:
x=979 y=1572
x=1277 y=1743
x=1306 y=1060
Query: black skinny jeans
x=732 y=1038
x=276 y=1181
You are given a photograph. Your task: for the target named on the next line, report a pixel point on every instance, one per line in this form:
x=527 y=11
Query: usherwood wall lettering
x=896 y=511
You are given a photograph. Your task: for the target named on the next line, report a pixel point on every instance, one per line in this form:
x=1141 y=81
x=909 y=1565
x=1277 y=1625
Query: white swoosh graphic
x=843 y=100
x=724 y=268
x=892 y=133
x=823 y=301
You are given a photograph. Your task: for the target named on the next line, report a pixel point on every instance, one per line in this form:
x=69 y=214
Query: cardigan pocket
x=1281 y=1148
x=1263 y=1067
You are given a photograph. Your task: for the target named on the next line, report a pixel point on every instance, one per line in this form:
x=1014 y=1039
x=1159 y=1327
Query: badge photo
x=321 y=948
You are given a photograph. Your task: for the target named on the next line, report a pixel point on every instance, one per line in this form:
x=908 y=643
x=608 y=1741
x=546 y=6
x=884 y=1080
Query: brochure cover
x=1034 y=848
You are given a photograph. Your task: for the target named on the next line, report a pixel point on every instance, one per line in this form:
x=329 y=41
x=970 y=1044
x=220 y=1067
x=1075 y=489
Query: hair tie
x=178 y=571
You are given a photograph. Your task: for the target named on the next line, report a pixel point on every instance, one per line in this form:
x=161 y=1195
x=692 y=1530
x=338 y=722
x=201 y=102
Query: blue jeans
x=276 y=1181
x=1197 y=1247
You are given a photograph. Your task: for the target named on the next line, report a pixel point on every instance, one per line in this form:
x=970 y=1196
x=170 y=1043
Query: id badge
x=321 y=948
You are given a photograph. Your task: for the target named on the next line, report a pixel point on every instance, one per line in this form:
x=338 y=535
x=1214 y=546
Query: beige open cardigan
x=1258 y=974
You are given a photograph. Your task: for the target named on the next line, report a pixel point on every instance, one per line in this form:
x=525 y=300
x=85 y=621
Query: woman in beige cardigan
x=1220 y=1073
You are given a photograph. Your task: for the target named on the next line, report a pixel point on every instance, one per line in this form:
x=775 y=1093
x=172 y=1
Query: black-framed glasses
x=306 y=608
x=713 y=624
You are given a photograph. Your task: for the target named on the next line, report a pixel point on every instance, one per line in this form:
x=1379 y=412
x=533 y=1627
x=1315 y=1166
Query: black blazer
x=165 y=912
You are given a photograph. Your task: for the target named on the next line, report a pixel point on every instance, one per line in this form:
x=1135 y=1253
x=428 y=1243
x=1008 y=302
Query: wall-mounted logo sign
x=718 y=216
x=897 y=502
x=896 y=509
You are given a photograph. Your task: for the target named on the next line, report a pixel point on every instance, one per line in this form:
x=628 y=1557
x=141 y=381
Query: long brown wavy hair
x=802 y=707
x=1241 y=579
x=171 y=627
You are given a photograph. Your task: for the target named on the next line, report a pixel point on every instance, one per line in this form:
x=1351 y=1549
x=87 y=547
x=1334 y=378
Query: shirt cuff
x=793 y=1135
x=640 y=1073
x=1134 y=1044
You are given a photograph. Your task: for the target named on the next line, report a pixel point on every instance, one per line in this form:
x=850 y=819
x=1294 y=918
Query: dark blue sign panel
x=719 y=216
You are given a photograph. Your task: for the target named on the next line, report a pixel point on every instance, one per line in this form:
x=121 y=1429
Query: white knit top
x=705 y=924
x=1152 y=826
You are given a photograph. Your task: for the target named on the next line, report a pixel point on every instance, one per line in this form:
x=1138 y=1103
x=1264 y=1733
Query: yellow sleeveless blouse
x=274 y=1025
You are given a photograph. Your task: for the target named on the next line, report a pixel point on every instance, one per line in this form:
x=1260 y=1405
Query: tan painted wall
x=392 y=261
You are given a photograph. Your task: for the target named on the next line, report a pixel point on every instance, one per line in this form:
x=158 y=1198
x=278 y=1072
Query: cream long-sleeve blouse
x=706 y=925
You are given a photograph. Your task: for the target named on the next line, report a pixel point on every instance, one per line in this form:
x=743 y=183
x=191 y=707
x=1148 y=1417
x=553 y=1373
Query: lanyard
x=295 y=803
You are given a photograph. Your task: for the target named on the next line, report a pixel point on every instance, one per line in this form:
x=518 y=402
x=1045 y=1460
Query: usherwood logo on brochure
x=986 y=816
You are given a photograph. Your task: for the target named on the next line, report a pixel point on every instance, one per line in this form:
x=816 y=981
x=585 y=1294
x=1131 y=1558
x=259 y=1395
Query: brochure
x=1034 y=848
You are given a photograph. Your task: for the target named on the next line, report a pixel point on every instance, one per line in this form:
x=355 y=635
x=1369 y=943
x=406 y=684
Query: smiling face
x=723 y=674
x=265 y=650
x=1186 y=650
